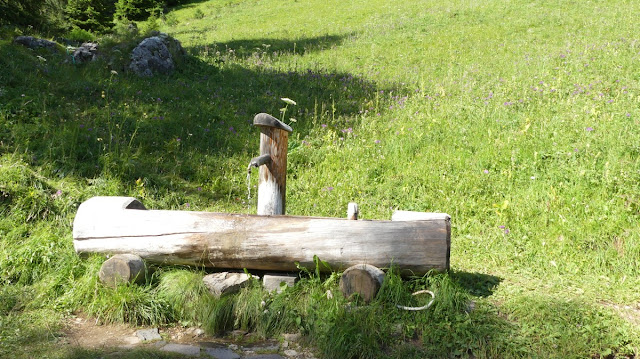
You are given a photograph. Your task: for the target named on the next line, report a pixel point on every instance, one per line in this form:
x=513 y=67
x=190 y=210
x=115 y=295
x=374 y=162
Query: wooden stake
x=352 y=211
x=272 y=180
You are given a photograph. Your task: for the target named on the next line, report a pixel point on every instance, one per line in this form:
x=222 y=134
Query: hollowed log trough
x=113 y=225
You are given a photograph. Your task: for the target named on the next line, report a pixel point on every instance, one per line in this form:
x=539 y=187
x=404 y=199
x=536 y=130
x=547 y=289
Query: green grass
x=518 y=119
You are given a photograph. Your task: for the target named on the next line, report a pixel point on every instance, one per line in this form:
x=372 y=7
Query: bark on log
x=104 y=225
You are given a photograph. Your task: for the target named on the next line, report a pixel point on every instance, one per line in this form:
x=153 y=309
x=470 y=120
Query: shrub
x=137 y=9
x=80 y=35
x=35 y=13
x=93 y=15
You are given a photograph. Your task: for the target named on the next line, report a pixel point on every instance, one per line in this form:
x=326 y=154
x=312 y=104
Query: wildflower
x=187 y=205
x=114 y=72
x=199 y=189
x=288 y=101
x=628 y=114
x=589 y=129
x=376 y=141
x=324 y=125
x=486 y=172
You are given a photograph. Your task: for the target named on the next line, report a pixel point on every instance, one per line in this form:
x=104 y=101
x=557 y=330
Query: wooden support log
x=276 y=243
x=272 y=180
x=363 y=279
x=122 y=268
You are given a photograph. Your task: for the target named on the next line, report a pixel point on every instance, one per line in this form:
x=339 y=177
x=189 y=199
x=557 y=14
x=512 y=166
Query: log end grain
x=121 y=269
x=363 y=279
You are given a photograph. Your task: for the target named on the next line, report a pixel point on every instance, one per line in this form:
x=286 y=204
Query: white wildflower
x=288 y=101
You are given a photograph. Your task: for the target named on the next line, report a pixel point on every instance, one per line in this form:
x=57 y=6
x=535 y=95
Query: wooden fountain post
x=272 y=180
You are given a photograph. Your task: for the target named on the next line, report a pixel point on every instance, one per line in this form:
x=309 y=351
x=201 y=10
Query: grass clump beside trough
x=518 y=119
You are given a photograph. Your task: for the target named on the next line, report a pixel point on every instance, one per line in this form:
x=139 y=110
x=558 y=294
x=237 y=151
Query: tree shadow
x=249 y=47
x=172 y=131
x=477 y=284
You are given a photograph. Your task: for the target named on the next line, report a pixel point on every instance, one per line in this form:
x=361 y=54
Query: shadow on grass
x=191 y=127
x=248 y=47
x=477 y=284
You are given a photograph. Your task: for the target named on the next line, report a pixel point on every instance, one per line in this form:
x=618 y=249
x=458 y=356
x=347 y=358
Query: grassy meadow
x=520 y=119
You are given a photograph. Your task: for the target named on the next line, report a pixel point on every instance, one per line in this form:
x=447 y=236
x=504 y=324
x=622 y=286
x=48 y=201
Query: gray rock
x=196 y=332
x=291 y=353
x=154 y=56
x=148 y=334
x=292 y=337
x=273 y=282
x=88 y=51
x=222 y=353
x=35 y=43
x=265 y=356
x=263 y=347
x=225 y=282
x=132 y=28
x=190 y=350
x=131 y=340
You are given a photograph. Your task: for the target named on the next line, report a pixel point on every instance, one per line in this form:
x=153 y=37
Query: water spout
x=258 y=161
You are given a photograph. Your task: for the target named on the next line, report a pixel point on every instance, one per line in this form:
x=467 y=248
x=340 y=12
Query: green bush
x=137 y=9
x=80 y=35
x=175 y=2
x=35 y=13
x=93 y=15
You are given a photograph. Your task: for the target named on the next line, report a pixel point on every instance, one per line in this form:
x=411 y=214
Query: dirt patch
x=630 y=313
x=89 y=333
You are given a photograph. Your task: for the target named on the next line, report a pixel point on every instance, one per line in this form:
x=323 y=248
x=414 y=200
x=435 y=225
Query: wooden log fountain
x=112 y=225
x=415 y=242
x=272 y=181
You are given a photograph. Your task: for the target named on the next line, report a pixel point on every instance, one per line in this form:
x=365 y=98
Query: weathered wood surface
x=418 y=216
x=363 y=279
x=122 y=268
x=272 y=180
x=107 y=225
x=352 y=211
